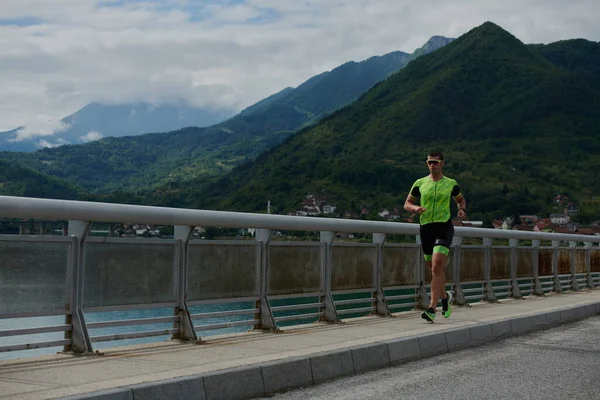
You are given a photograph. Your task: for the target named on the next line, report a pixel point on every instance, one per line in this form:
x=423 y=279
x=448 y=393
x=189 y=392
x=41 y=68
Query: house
x=522 y=227
x=507 y=224
x=329 y=209
x=542 y=225
x=308 y=207
x=559 y=218
x=384 y=213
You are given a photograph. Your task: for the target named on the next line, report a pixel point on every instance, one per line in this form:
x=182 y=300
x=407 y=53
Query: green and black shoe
x=446 y=308
x=428 y=315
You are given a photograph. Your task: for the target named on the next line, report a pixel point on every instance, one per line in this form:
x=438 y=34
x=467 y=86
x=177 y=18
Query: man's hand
x=461 y=213
x=420 y=210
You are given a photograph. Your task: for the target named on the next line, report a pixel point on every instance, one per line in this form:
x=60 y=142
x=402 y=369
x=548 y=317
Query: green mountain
x=140 y=162
x=21 y=181
x=577 y=55
x=516 y=129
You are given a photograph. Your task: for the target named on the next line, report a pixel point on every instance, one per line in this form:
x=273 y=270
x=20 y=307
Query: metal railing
x=210 y=285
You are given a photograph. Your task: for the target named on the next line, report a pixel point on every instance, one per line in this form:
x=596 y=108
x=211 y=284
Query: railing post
x=185 y=325
x=538 y=289
x=381 y=306
x=331 y=314
x=421 y=268
x=460 y=296
x=487 y=267
x=588 y=264
x=516 y=290
x=573 y=249
x=555 y=254
x=267 y=322
x=80 y=338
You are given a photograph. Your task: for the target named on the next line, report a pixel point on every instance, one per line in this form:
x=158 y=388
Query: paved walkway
x=253 y=364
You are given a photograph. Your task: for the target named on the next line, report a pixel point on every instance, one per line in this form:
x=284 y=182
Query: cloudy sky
x=56 y=56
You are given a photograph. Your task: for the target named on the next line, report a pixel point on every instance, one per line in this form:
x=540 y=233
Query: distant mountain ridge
x=139 y=162
x=96 y=120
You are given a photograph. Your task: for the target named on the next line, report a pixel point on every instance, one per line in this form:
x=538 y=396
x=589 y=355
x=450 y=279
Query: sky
x=56 y=56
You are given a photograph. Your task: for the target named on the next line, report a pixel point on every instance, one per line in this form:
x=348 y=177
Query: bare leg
x=438 y=279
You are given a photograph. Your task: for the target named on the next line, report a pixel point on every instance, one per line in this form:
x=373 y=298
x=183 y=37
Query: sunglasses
x=433 y=162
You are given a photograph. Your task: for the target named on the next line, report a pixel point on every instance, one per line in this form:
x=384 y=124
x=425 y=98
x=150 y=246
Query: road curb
x=278 y=376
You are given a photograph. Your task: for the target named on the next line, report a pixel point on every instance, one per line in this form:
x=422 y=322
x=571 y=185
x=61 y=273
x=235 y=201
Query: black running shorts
x=436 y=237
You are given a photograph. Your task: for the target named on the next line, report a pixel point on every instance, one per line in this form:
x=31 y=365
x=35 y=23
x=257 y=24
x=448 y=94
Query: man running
x=434 y=193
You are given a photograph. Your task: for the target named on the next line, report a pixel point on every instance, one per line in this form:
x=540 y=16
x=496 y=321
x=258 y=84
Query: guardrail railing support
x=588 y=264
x=330 y=314
x=573 y=257
x=459 y=295
x=538 y=290
x=516 y=290
x=555 y=256
x=80 y=338
x=382 y=307
x=423 y=302
x=267 y=322
x=487 y=268
x=185 y=325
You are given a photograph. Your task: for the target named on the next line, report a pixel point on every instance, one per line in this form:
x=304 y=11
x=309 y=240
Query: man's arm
x=462 y=205
x=410 y=206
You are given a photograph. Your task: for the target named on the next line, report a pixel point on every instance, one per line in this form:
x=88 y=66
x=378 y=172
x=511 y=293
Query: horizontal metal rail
x=32 y=314
x=294 y=296
x=37 y=345
x=355 y=310
x=353 y=291
x=225 y=313
x=354 y=301
x=390 y=288
x=399 y=305
x=223 y=301
x=298 y=316
x=401 y=297
x=26 y=207
x=33 y=331
x=129 y=307
x=474 y=297
x=129 y=322
x=473 y=290
x=223 y=325
x=133 y=335
x=297 y=307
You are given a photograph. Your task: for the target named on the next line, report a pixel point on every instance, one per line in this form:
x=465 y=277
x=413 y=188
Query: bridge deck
x=257 y=363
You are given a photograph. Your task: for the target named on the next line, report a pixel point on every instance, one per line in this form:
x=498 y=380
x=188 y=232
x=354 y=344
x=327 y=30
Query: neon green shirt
x=435 y=198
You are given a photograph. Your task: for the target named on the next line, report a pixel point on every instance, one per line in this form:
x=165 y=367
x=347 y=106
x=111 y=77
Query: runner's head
x=435 y=161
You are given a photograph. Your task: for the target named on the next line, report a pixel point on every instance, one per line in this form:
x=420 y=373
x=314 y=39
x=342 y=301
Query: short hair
x=436 y=154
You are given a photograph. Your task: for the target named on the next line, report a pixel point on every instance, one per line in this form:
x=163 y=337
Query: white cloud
x=91 y=136
x=56 y=57
x=38 y=125
x=44 y=143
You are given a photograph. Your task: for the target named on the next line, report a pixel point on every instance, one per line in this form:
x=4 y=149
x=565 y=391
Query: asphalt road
x=559 y=363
